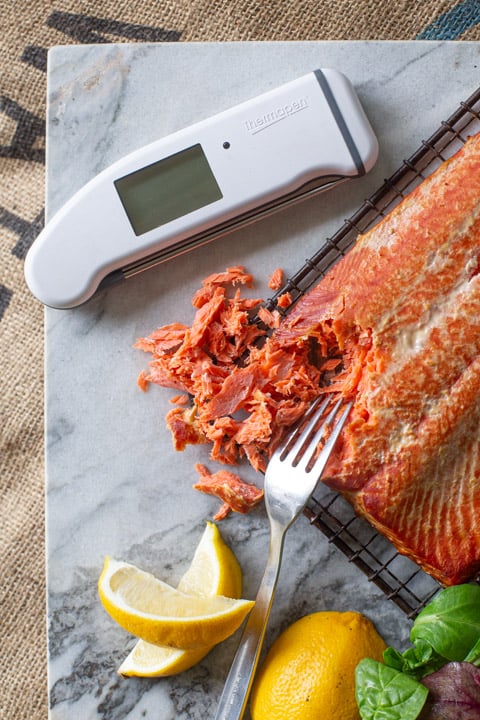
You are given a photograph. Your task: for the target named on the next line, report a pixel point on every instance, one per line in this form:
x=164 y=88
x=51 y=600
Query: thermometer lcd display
x=168 y=189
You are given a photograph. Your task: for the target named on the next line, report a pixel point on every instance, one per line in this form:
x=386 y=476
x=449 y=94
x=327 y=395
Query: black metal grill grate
x=398 y=577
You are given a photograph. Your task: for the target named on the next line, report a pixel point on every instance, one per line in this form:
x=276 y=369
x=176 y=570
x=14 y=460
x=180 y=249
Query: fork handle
x=234 y=698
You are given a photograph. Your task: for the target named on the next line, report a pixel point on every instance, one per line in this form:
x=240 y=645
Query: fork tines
x=316 y=433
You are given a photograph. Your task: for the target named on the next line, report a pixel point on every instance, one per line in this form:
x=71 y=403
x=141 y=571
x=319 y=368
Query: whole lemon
x=309 y=672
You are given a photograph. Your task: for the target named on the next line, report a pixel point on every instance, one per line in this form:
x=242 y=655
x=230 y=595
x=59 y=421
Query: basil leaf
x=474 y=655
x=394 y=659
x=417 y=661
x=384 y=693
x=421 y=660
x=450 y=623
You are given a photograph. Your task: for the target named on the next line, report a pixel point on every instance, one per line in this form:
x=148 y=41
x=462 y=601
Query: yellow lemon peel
x=309 y=672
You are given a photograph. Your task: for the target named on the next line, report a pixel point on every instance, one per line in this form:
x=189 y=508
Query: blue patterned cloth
x=453 y=23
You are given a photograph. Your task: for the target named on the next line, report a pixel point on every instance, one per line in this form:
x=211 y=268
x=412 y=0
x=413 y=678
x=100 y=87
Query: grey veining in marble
x=114 y=484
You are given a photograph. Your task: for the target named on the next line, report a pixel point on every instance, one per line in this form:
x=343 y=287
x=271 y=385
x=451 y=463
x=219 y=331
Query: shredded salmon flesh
x=276 y=279
x=395 y=325
x=236 y=494
x=241 y=396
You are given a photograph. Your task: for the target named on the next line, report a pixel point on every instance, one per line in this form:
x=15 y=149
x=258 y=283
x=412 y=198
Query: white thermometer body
x=202 y=182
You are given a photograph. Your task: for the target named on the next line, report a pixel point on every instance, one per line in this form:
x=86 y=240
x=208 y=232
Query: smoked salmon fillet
x=402 y=310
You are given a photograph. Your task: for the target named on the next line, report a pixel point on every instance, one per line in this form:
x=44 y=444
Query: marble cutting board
x=114 y=484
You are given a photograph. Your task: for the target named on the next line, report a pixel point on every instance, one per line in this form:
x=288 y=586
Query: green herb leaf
x=474 y=655
x=384 y=693
x=417 y=661
x=394 y=659
x=450 y=623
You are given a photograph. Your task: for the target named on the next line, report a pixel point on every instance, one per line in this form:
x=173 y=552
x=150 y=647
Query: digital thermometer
x=202 y=182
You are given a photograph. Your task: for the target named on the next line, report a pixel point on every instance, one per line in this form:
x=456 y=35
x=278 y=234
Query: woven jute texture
x=28 y=29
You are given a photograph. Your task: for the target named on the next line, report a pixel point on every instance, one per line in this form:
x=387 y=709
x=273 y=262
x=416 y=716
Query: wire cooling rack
x=399 y=578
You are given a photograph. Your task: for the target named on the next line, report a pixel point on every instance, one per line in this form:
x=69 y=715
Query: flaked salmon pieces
x=403 y=309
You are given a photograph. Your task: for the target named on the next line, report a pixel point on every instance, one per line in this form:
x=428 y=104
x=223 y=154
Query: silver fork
x=291 y=476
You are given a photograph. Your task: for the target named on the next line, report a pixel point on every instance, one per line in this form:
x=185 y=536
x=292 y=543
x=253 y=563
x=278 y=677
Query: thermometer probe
x=200 y=183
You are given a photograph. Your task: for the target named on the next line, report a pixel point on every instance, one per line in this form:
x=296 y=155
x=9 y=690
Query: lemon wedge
x=214 y=570
x=158 y=613
x=148 y=660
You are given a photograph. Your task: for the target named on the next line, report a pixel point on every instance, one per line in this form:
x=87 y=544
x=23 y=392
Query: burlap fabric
x=29 y=28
